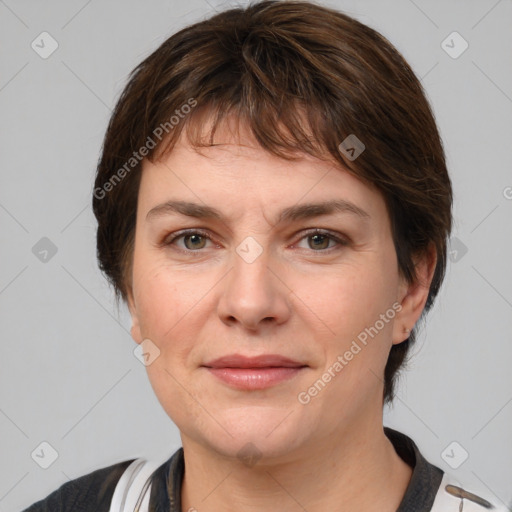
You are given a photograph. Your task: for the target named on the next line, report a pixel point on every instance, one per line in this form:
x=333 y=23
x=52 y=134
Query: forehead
x=233 y=169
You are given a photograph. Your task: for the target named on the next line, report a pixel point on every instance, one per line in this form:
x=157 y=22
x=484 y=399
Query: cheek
x=171 y=304
x=356 y=298
x=349 y=298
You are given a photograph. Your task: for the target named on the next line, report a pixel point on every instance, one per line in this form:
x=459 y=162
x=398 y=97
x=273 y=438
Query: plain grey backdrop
x=68 y=375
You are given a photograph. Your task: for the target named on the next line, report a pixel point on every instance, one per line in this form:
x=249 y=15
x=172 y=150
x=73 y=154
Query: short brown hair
x=273 y=64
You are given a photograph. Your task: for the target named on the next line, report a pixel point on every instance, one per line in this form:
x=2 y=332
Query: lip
x=254 y=373
x=262 y=361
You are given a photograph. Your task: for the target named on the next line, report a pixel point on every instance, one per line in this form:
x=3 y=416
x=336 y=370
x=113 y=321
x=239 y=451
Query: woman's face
x=254 y=279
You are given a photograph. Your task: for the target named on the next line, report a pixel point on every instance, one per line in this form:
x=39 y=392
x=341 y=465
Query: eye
x=193 y=240
x=319 y=240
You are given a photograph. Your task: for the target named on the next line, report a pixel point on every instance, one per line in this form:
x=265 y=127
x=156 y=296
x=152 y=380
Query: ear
x=135 y=329
x=413 y=296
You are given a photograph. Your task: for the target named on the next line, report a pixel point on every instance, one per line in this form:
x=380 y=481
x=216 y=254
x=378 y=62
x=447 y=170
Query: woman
x=273 y=206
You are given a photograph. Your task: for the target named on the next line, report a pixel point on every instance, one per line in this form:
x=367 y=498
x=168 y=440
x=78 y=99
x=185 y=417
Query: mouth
x=254 y=373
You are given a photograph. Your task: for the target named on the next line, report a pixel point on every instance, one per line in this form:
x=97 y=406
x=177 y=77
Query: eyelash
x=316 y=231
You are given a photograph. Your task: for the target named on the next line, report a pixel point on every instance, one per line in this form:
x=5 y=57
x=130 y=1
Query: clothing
x=93 y=492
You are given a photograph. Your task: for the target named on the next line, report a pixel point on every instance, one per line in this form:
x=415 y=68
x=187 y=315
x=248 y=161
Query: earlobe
x=135 y=332
x=413 y=296
x=135 y=329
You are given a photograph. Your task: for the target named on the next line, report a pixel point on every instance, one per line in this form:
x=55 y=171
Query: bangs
x=284 y=130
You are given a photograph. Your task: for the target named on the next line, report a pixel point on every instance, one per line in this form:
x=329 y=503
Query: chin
x=258 y=433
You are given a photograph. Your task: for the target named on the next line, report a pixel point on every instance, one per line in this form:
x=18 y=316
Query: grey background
x=68 y=375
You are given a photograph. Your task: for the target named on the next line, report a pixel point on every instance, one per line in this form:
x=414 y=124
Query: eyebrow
x=292 y=213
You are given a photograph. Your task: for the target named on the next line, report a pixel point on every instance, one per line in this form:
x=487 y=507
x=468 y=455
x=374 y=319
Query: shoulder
x=92 y=491
x=455 y=495
x=434 y=490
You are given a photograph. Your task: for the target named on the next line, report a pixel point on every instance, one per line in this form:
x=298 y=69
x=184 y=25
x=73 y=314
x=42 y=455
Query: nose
x=254 y=295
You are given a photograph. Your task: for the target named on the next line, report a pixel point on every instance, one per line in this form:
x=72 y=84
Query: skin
x=304 y=301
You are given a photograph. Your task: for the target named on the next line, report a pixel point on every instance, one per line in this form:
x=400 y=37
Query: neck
x=358 y=470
